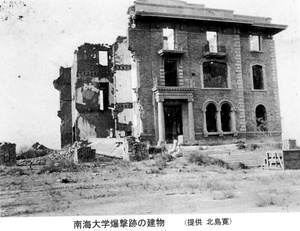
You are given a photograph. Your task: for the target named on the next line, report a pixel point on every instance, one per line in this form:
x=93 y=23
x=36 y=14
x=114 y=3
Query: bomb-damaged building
x=184 y=71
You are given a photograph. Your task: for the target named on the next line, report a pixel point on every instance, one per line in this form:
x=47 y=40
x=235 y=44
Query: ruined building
x=184 y=72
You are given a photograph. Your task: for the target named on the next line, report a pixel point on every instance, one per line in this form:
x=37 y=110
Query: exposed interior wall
x=123 y=85
x=93 y=91
x=137 y=128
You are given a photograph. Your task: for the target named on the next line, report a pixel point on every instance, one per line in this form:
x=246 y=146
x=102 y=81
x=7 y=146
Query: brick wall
x=191 y=36
x=269 y=96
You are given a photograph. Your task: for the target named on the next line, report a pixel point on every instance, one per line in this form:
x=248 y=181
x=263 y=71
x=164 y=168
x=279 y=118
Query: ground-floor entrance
x=173 y=122
x=174 y=114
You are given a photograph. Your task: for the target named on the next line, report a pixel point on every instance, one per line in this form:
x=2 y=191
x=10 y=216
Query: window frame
x=259 y=43
x=217 y=41
x=177 y=71
x=228 y=75
x=174 y=39
x=263 y=77
x=218 y=106
x=265 y=115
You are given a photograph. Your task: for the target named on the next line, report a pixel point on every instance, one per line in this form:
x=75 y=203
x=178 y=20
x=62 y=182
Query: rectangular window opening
x=258 y=80
x=103 y=58
x=170 y=66
x=212 y=41
x=168 y=39
x=215 y=75
x=103 y=96
x=255 y=44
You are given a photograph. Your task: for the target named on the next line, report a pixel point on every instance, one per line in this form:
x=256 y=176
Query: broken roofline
x=201 y=13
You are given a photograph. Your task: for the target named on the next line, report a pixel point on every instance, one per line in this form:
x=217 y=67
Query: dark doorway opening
x=173 y=122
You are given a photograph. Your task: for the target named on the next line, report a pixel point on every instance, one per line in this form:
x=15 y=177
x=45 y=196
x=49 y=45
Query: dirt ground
x=146 y=187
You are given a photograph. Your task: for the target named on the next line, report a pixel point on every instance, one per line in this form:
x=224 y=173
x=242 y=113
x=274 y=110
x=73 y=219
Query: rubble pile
x=139 y=152
x=55 y=155
x=7 y=153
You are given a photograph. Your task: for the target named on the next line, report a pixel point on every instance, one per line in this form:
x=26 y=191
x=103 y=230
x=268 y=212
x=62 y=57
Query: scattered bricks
x=55 y=155
x=139 y=152
x=129 y=142
x=7 y=154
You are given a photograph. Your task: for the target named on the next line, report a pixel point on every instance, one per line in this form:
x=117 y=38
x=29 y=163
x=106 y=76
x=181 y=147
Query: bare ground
x=123 y=188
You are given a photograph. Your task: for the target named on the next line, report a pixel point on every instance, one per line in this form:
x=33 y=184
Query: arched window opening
x=211 y=120
x=225 y=117
x=258 y=80
x=261 y=118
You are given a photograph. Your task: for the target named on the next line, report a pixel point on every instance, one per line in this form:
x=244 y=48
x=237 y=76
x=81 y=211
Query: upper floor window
x=168 y=39
x=215 y=75
x=103 y=99
x=170 y=66
x=212 y=41
x=258 y=79
x=103 y=58
x=255 y=43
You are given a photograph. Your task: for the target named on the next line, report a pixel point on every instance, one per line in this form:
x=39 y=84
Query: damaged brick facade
x=86 y=93
x=205 y=75
x=184 y=72
x=63 y=85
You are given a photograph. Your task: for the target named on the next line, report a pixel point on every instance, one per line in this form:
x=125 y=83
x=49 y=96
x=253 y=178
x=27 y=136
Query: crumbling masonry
x=184 y=72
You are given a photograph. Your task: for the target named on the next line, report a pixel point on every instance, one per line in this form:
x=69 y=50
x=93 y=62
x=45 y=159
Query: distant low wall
x=7 y=154
x=291 y=159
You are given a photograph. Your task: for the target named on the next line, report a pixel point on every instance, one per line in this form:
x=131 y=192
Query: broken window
x=225 y=117
x=103 y=96
x=261 y=118
x=211 y=120
x=170 y=66
x=168 y=39
x=255 y=44
x=257 y=73
x=215 y=74
x=103 y=58
x=212 y=41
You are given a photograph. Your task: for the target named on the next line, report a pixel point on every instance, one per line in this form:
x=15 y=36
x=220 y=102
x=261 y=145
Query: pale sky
x=34 y=47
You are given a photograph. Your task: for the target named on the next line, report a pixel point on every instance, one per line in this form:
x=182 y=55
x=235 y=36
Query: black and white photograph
x=149 y=114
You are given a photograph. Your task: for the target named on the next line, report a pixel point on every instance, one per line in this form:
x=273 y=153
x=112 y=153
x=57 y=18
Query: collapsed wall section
x=63 y=85
x=93 y=91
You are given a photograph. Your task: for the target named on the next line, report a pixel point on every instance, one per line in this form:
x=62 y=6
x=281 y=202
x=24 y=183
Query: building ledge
x=163 y=92
x=220 y=53
x=234 y=133
x=165 y=52
x=177 y=88
x=208 y=54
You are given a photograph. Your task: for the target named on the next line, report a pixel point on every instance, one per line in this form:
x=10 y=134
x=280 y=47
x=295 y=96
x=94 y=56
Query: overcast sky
x=33 y=47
